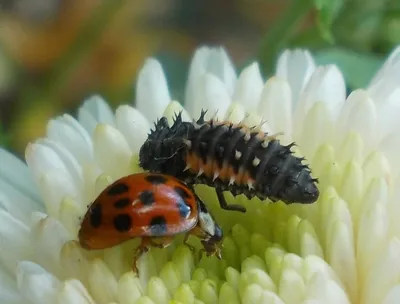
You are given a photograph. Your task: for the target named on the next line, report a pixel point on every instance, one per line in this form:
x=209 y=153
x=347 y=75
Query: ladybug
x=229 y=157
x=154 y=207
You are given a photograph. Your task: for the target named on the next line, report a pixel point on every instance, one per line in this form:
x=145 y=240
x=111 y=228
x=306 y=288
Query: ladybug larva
x=229 y=157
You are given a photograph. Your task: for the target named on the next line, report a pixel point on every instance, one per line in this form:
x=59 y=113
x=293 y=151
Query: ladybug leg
x=142 y=248
x=201 y=252
x=224 y=205
x=191 y=247
x=145 y=245
x=162 y=242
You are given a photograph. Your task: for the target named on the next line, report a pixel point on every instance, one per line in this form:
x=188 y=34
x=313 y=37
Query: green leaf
x=358 y=68
x=328 y=10
x=4 y=138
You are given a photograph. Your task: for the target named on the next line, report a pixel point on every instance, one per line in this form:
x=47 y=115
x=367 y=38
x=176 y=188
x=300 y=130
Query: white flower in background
x=343 y=249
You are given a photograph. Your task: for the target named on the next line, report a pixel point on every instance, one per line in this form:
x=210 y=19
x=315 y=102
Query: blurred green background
x=55 y=53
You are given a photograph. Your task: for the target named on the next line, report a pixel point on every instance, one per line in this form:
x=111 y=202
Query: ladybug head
x=213 y=245
x=212 y=233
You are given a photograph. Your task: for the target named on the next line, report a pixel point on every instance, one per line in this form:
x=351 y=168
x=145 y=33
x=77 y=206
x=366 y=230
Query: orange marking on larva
x=193 y=161
x=208 y=167
x=243 y=177
x=224 y=172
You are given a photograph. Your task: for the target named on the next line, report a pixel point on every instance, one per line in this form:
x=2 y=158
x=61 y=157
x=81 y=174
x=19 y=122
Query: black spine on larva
x=278 y=174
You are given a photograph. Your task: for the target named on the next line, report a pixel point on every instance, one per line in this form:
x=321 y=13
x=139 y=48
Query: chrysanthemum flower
x=345 y=248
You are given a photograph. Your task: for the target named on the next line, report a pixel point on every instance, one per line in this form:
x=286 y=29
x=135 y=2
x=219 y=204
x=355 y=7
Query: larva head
x=164 y=149
x=287 y=179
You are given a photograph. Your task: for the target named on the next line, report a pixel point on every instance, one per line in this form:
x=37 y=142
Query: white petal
x=14 y=240
x=388 y=71
x=393 y=296
x=276 y=105
x=111 y=151
x=254 y=120
x=327 y=85
x=390 y=147
x=198 y=67
x=73 y=292
x=326 y=291
x=21 y=210
x=17 y=173
x=93 y=111
x=235 y=113
x=8 y=289
x=87 y=120
x=208 y=60
x=129 y=288
x=249 y=86
x=317 y=129
x=358 y=115
x=74 y=261
x=385 y=81
x=102 y=284
x=335 y=209
x=43 y=159
x=36 y=284
x=70 y=134
x=173 y=109
x=221 y=66
x=291 y=286
x=55 y=186
x=315 y=265
x=211 y=95
x=49 y=235
x=388 y=112
x=70 y=163
x=372 y=237
x=90 y=172
x=341 y=256
x=152 y=95
x=133 y=125
x=383 y=275
x=296 y=67
x=70 y=214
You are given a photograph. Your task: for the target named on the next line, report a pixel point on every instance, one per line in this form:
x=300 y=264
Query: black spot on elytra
x=158 y=225
x=183 y=193
x=147 y=197
x=123 y=222
x=156 y=179
x=122 y=203
x=95 y=215
x=117 y=189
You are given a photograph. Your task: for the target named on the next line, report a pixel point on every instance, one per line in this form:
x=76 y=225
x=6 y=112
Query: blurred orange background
x=56 y=53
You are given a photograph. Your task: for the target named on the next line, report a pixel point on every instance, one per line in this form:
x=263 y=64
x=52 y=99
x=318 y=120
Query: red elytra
x=150 y=206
